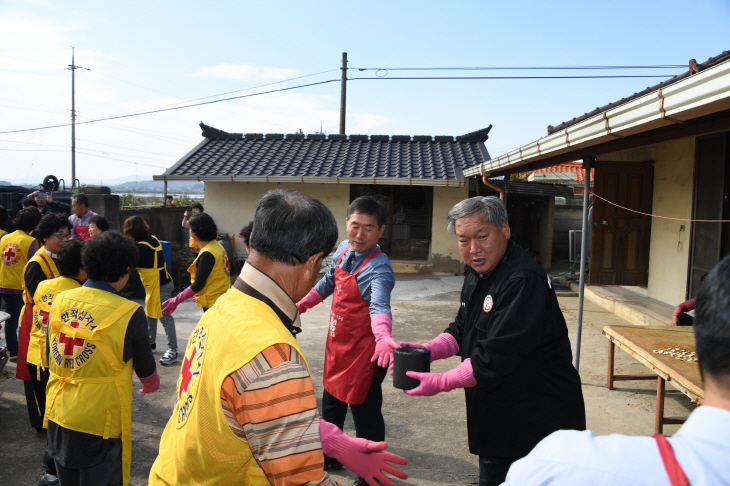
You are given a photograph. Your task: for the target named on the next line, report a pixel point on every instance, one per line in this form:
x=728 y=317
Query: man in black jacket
x=516 y=368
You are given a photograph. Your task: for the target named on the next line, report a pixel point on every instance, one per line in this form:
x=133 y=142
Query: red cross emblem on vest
x=9 y=254
x=187 y=373
x=70 y=344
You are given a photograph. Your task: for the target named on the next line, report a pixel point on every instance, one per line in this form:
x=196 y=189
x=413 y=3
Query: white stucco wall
x=232 y=205
x=672 y=197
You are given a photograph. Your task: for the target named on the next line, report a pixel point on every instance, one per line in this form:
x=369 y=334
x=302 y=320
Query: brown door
x=710 y=241
x=620 y=238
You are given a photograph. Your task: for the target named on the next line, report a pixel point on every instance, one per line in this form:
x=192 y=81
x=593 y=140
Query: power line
x=160 y=136
x=124 y=148
x=253 y=87
x=149 y=112
x=177 y=107
x=84 y=151
x=122 y=160
x=512 y=77
x=524 y=68
x=88 y=141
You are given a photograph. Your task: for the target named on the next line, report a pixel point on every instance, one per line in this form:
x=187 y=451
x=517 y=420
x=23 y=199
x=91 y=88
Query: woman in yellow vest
x=196 y=208
x=96 y=338
x=210 y=272
x=52 y=230
x=72 y=275
x=157 y=284
x=16 y=249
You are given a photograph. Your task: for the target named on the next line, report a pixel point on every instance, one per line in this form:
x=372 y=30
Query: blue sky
x=144 y=55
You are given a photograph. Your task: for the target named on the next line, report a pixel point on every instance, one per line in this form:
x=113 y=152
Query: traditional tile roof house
x=418 y=178
x=663 y=151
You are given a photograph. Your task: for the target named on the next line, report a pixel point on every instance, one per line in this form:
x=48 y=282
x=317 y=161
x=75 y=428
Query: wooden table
x=640 y=342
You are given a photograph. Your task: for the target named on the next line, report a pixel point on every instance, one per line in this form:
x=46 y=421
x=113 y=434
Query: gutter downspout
x=485 y=180
x=588 y=164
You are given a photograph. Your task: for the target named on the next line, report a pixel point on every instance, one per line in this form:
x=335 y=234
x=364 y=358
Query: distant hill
x=187 y=187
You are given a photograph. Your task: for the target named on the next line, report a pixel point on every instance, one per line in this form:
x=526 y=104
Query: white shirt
x=570 y=457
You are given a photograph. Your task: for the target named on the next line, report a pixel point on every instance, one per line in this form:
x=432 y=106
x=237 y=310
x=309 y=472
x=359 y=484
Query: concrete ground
x=429 y=431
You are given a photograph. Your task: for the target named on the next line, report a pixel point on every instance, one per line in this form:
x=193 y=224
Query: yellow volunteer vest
x=90 y=386
x=43 y=299
x=151 y=281
x=51 y=271
x=14 y=252
x=47 y=265
x=197 y=446
x=219 y=279
x=3 y=233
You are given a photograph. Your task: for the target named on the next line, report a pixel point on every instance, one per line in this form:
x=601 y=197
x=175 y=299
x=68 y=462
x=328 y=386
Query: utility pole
x=73 y=67
x=343 y=93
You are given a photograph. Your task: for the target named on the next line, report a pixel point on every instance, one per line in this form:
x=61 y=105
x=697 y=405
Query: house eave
x=315 y=180
x=702 y=94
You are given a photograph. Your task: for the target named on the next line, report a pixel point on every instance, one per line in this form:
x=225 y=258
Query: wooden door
x=620 y=238
x=407 y=234
x=710 y=241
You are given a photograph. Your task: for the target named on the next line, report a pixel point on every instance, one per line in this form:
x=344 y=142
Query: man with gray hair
x=246 y=411
x=516 y=369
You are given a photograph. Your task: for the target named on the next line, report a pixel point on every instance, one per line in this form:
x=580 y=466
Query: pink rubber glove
x=169 y=306
x=310 y=300
x=382 y=325
x=442 y=346
x=365 y=458
x=151 y=383
x=432 y=383
x=681 y=309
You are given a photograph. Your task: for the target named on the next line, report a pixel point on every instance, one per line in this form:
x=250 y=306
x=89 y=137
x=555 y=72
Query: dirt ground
x=429 y=431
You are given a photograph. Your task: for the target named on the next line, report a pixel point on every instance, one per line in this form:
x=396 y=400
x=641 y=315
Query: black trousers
x=35 y=395
x=493 y=470
x=368 y=417
x=106 y=473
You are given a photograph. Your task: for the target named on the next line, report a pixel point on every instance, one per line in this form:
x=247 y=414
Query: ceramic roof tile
x=423 y=157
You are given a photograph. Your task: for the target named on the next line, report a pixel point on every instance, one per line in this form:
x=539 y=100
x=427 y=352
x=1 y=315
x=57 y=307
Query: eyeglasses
x=64 y=236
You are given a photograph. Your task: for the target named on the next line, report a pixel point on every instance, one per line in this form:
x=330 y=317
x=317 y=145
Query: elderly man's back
x=570 y=457
x=698 y=454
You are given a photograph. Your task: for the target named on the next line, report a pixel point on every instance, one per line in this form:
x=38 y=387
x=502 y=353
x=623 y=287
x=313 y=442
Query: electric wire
x=121 y=160
x=149 y=112
x=160 y=110
x=524 y=68
x=513 y=77
x=86 y=151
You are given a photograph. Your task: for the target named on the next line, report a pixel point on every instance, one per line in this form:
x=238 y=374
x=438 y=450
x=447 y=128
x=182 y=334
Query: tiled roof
x=694 y=67
x=379 y=159
x=526 y=188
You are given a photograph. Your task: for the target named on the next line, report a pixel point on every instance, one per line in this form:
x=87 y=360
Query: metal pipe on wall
x=588 y=163
x=486 y=182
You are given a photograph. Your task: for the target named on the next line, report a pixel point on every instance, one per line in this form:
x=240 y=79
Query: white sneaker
x=170 y=357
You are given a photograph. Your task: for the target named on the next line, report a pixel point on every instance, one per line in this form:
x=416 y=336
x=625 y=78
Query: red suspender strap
x=674 y=470
x=370 y=257
x=339 y=260
x=45 y=260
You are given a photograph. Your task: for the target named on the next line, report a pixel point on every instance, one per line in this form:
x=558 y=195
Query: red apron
x=350 y=341
x=82 y=232
x=674 y=469
x=26 y=322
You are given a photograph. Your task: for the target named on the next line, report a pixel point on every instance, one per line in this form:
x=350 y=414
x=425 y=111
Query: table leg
x=659 y=419
x=611 y=350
